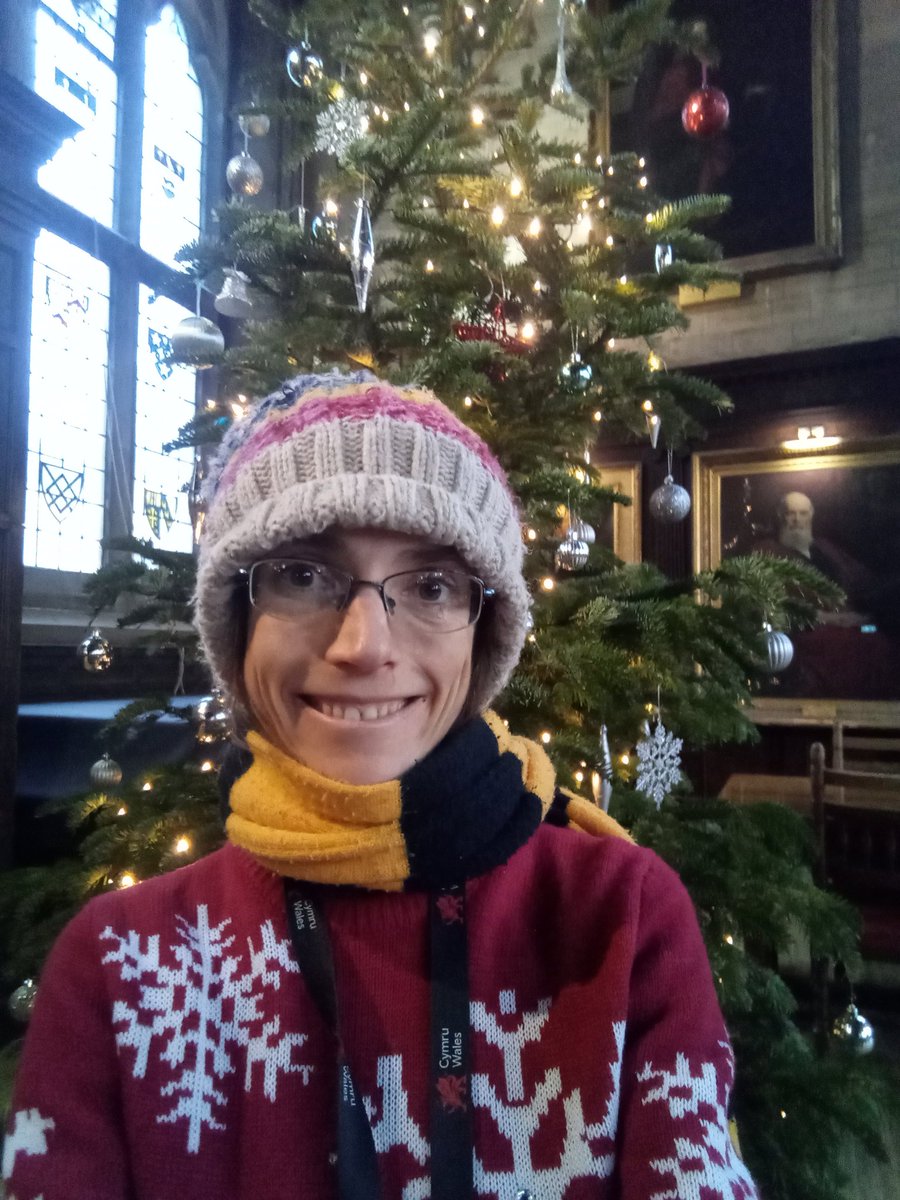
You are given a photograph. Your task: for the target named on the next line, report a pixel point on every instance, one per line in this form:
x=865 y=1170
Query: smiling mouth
x=372 y=711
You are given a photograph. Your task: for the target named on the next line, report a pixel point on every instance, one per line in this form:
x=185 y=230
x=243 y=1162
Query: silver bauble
x=244 y=175
x=254 y=124
x=213 y=719
x=304 y=67
x=234 y=299
x=670 y=503
x=576 y=374
x=21 y=1002
x=106 y=773
x=197 y=342
x=853 y=1031
x=663 y=256
x=96 y=652
x=582 y=532
x=779 y=650
x=571 y=554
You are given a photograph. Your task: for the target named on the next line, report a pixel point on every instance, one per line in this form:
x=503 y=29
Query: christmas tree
x=468 y=232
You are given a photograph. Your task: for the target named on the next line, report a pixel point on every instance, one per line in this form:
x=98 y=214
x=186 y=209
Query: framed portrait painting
x=838 y=509
x=777 y=157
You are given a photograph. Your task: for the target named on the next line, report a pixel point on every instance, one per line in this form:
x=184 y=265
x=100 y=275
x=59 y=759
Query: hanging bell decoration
x=362 y=253
x=213 y=719
x=21 y=1001
x=571 y=554
x=234 y=298
x=663 y=256
x=853 y=1031
x=670 y=503
x=601 y=779
x=244 y=175
x=106 y=773
x=197 y=342
x=254 y=124
x=96 y=652
x=304 y=66
x=575 y=374
x=779 y=650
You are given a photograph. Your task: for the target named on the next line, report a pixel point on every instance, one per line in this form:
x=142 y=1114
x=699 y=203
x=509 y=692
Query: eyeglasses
x=436 y=599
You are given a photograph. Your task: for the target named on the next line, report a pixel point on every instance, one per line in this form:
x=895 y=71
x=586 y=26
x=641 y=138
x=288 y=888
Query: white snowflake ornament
x=659 y=763
x=341 y=125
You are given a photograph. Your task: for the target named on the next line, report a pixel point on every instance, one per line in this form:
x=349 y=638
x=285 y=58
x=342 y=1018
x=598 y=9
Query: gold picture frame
x=624 y=478
x=735 y=504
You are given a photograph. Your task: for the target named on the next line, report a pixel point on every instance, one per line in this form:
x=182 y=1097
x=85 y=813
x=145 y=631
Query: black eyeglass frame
x=482 y=591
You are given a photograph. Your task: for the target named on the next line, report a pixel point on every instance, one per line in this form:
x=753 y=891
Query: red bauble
x=705 y=112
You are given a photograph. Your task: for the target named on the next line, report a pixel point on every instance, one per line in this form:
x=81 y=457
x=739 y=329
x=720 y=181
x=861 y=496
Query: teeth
x=365 y=712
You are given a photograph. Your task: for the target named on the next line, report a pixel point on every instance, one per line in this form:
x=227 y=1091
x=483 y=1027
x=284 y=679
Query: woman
x=417 y=968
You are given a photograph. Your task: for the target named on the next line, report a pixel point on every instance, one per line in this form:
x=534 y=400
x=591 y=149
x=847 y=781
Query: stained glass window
x=165 y=401
x=173 y=141
x=75 y=77
x=67 y=412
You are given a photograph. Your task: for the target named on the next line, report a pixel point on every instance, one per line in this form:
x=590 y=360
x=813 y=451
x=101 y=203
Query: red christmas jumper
x=175 y=1052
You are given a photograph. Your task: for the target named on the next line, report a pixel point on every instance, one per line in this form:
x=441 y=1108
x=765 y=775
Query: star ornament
x=341 y=125
x=659 y=763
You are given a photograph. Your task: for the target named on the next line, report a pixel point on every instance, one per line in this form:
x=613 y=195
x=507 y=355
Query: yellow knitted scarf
x=304 y=825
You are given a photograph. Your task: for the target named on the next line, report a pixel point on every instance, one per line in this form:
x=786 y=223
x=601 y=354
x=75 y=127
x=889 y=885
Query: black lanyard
x=451 y=1131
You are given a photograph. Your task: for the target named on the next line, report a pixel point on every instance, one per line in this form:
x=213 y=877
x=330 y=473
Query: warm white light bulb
x=182 y=846
x=598 y=415
x=363 y=78
x=477 y=115
x=148 y=787
x=579 y=776
x=642 y=182
x=545 y=738
x=429 y=266
x=126 y=880
x=498 y=214
x=469 y=12
x=528 y=331
x=468 y=401
x=331 y=208
x=548 y=584
x=430 y=40
x=534 y=227
x=515 y=186
x=610 y=240
x=577 y=160
x=532 y=535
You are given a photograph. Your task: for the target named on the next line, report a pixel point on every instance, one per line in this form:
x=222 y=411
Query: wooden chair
x=856 y=822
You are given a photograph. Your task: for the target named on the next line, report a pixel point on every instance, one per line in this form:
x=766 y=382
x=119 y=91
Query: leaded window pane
x=173 y=141
x=77 y=81
x=94 y=20
x=67 y=411
x=165 y=401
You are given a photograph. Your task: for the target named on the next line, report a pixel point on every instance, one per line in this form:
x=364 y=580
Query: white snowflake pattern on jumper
x=394 y=1125
x=518 y=1119
x=202 y=1005
x=708 y=1165
x=28 y=1136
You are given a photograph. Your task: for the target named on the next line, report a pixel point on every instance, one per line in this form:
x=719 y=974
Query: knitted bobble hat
x=350 y=450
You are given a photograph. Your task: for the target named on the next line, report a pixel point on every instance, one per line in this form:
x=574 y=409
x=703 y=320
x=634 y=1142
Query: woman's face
x=316 y=686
